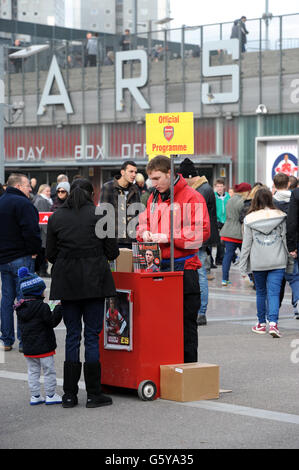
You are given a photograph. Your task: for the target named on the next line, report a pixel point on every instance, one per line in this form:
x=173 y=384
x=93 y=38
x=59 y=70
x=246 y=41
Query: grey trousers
x=35 y=365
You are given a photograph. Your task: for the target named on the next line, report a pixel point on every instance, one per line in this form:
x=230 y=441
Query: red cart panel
x=156 y=335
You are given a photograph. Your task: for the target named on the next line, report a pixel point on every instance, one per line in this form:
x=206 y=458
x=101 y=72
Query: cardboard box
x=124 y=263
x=189 y=382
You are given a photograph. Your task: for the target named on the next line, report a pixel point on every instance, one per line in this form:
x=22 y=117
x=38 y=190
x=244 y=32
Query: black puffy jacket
x=36 y=322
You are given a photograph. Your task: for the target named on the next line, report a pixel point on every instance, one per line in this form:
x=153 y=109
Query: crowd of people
x=252 y=225
x=258 y=229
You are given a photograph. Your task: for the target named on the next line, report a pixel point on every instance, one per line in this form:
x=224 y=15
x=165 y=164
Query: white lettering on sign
x=62 y=97
x=33 y=154
x=230 y=45
x=89 y=152
x=295 y=93
x=132 y=84
x=133 y=151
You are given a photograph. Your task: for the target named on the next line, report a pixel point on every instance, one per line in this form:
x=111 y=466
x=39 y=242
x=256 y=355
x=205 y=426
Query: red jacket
x=191 y=221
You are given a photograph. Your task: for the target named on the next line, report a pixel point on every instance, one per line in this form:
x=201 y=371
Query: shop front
x=98 y=151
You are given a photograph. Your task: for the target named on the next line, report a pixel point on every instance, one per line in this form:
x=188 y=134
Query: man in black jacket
x=20 y=242
x=292 y=240
x=121 y=192
x=200 y=184
x=240 y=32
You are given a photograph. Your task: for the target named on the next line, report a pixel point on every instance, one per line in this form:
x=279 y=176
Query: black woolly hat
x=187 y=169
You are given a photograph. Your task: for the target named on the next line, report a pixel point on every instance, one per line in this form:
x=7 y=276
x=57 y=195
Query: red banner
x=44 y=217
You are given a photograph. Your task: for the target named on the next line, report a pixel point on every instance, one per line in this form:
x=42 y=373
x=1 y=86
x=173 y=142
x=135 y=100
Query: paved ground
x=262 y=411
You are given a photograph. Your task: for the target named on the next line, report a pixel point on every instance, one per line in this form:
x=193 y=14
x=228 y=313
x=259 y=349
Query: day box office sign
x=169 y=134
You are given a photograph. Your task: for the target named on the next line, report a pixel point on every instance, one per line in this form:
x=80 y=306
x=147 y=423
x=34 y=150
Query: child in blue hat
x=36 y=322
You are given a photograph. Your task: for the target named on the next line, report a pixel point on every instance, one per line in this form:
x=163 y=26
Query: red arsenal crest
x=168 y=132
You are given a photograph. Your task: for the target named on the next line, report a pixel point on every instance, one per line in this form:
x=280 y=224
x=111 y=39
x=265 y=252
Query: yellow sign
x=169 y=134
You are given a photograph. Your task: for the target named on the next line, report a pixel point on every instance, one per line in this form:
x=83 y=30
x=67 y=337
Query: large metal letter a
x=62 y=98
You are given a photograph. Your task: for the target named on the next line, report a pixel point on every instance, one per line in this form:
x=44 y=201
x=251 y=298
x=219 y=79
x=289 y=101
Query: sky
x=195 y=12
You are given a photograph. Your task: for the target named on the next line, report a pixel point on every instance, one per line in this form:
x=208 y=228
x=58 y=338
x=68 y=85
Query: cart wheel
x=147 y=390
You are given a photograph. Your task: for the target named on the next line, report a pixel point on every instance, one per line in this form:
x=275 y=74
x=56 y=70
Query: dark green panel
x=287 y=124
x=273 y=125
x=247 y=135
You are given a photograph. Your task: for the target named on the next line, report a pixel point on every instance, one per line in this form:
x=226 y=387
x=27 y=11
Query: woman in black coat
x=81 y=279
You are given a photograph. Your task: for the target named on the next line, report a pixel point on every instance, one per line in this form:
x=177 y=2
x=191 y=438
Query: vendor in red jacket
x=191 y=229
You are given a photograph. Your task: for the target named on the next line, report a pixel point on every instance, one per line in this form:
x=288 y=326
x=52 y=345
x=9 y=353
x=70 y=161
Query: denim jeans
x=11 y=291
x=268 y=284
x=203 y=282
x=92 y=313
x=230 y=248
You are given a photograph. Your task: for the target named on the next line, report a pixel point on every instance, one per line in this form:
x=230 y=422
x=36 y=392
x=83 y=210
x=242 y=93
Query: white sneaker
x=37 y=400
x=55 y=400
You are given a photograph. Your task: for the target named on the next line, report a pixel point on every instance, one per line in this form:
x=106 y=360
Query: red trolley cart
x=146 y=331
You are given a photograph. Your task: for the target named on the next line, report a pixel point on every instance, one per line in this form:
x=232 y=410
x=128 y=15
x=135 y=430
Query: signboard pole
x=171 y=213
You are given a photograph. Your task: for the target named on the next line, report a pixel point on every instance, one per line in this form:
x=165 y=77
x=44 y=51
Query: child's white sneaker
x=37 y=400
x=54 y=400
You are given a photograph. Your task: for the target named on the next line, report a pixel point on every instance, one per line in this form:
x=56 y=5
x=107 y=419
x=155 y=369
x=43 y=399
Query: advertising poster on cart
x=282 y=157
x=118 y=327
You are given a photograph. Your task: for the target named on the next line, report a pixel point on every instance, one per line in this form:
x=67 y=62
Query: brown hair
x=262 y=199
x=159 y=163
x=293 y=182
x=281 y=181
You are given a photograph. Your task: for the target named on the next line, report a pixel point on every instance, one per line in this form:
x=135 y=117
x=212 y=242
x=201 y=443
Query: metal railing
x=165 y=46
x=70 y=46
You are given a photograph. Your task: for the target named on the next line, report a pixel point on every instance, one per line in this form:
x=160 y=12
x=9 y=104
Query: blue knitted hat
x=30 y=284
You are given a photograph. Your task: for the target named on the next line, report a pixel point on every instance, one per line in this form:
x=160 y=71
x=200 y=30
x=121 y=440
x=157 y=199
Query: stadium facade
x=87 y=120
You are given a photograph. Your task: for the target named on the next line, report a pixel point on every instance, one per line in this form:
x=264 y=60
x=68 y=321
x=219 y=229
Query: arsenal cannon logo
x=168 y=132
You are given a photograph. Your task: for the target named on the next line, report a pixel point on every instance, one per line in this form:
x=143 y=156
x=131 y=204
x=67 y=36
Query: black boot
x=92 y=376
x=71 y=377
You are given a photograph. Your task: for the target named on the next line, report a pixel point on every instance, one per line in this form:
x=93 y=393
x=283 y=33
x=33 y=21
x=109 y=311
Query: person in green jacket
x=222 y=198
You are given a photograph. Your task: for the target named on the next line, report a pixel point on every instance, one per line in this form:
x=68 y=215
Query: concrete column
x=219 y=136
x=105 y=140
x=241 y=150
x=259 y=126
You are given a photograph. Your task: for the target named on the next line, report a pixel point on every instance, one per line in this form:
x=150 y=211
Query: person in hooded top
x=231 y=232
x=264 y=253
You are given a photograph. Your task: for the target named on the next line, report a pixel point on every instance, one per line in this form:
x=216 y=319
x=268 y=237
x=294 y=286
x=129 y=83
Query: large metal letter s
x=230 y=45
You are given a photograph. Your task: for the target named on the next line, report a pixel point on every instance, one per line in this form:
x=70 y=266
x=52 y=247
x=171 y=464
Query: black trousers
x=191 y=307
